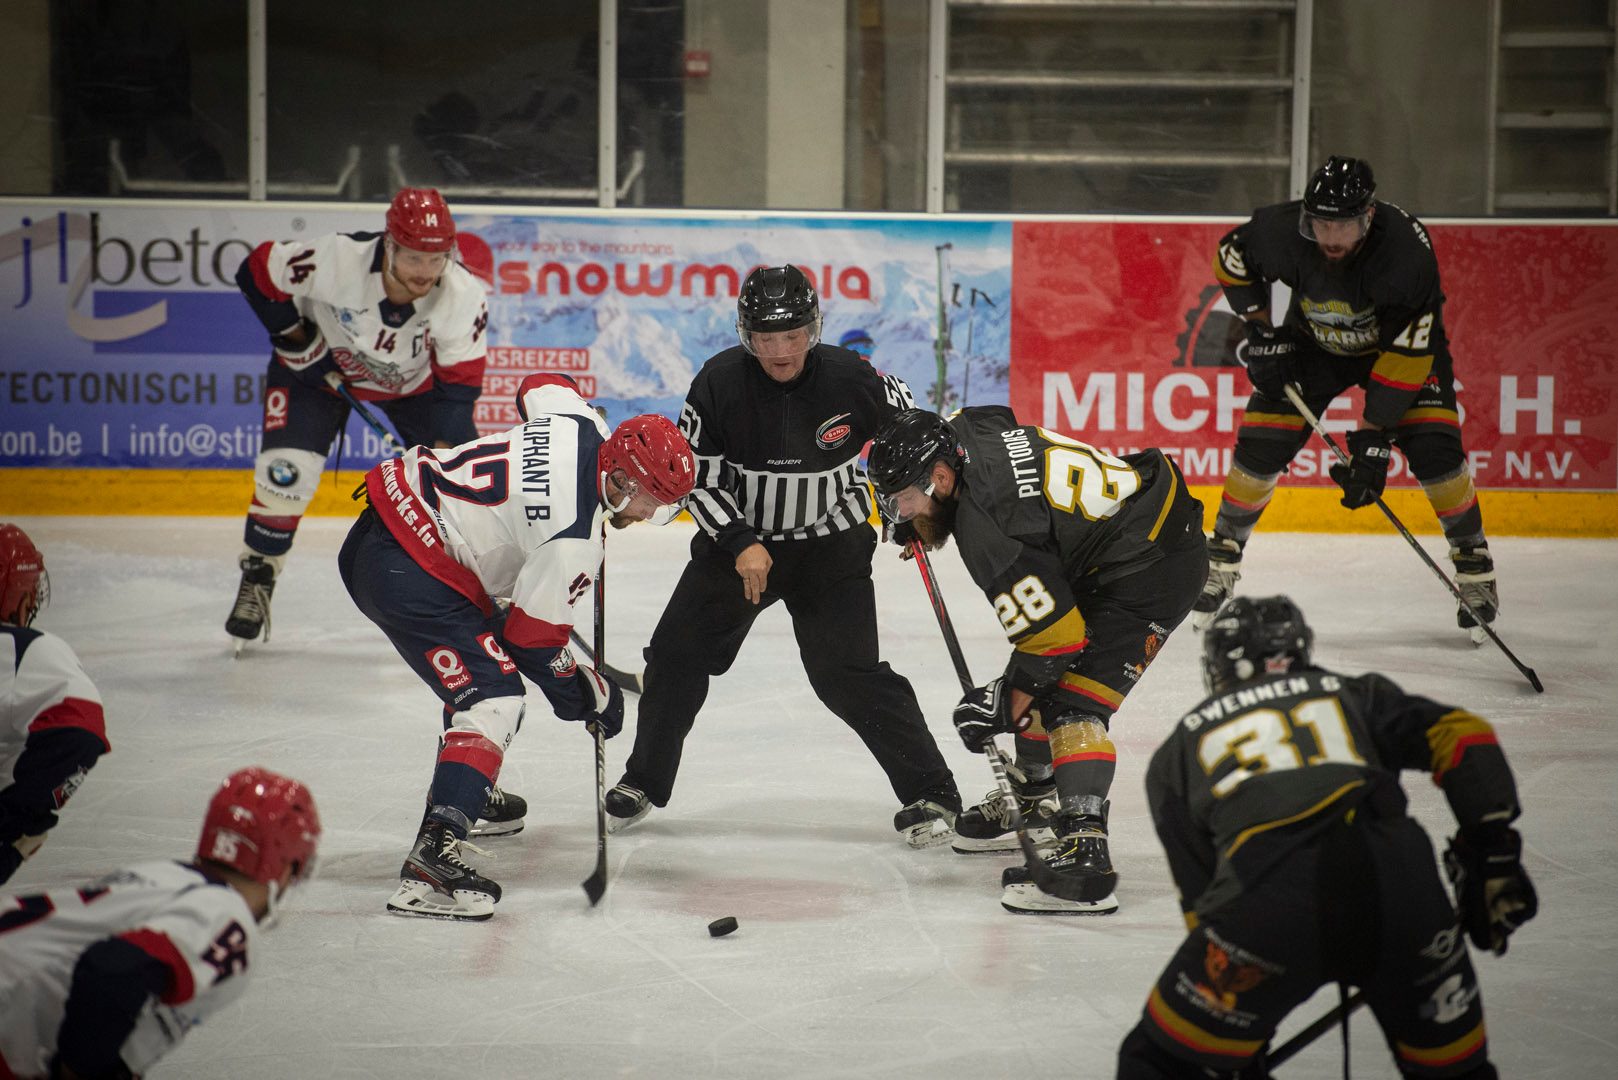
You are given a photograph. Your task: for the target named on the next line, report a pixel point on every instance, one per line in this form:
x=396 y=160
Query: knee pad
x=284 y=480
x=1433 y=455
x=495 y=719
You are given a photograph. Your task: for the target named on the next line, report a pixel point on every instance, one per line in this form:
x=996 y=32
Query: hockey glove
x=1269 y=359
x=903 y=534
x=1492 y=889
x=310 y=362
x=1366 y=473
x=983 y=713
x=606 y=701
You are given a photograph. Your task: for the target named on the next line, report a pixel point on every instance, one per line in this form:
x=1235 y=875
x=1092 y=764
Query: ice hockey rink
x=856 y=956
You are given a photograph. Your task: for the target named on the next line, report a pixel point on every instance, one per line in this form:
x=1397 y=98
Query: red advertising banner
x=1121 y=337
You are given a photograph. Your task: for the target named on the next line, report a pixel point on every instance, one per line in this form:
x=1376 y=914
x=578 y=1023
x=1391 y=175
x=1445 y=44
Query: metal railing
x=347 y=184
x=633 y=180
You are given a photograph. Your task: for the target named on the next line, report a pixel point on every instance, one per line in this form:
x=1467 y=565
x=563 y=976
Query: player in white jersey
x=106 y=979
x=51 y=725
x=393 y=316
x=514 y=517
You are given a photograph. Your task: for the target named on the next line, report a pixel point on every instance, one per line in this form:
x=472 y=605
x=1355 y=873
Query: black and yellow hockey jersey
x=1250 y=775
x=1382 y=303
x=1042 y=518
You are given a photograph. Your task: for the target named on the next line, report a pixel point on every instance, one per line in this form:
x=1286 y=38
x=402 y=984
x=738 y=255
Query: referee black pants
x=825 y=583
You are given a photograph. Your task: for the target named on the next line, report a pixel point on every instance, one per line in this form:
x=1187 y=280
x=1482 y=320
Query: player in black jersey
x=1278 y=803
x=777 y=424
x=1366 y=310
x=1090 y=561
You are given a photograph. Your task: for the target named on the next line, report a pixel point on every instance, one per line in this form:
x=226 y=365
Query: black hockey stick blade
x=1528 y=673
x=1289 y=1049
x=629 y=682
x=595 y=886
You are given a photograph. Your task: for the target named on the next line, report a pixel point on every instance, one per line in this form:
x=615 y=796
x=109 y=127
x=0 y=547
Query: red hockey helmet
x=25 y=587
x=259 y=823
x=419 y=220
x=653 y=454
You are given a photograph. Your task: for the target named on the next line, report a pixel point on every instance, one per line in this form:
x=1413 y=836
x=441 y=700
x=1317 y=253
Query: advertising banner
x=1121 y=337
x=126 y=343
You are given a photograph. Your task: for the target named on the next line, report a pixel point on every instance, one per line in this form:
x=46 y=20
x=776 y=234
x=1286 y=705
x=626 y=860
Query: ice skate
x=1474 y=576
x=502 y=814
x=436 y=882
x=626 y=804
x=1224 y=570
x=1083 y=880
x=929 y=820
x=986 y=827
x=250 y=616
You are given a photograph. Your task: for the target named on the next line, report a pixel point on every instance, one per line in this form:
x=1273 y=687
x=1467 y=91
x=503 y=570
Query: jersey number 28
x=1080 y=477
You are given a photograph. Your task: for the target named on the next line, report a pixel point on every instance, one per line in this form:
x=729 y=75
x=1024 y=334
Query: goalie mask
x=25 y=587
x=902 y=457
x=1251 y=638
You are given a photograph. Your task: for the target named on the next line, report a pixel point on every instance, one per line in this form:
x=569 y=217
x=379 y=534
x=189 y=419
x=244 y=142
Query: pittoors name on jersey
x=536 y=466
x=1021 y=451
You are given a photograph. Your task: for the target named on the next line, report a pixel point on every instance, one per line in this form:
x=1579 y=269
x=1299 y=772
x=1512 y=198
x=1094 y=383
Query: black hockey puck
x=721 y=927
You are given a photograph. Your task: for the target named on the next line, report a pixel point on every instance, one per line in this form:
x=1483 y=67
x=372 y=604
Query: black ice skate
x=502 y=814
x=986 y=827
x=437 y=883
x=251 y=615
x=929 y=820
x=1474 y=576
x=1224 y=570
x=626 y=804
x=1083 y=880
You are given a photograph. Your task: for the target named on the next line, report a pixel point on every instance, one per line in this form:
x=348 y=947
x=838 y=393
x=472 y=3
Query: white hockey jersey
x=514 y=516
x=385 y=350
x=203 y=932
x=42 y=686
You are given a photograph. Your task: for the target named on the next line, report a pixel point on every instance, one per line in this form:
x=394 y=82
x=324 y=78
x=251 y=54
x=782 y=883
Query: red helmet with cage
x=419 y=220
x=653 y=454
x=25 y=587
x=259 y=823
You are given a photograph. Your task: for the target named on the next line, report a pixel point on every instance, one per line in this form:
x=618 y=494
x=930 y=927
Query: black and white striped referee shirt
x=780 y=461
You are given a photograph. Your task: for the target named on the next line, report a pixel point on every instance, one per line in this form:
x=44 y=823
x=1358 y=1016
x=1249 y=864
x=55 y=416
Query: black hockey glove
x=983 y=713
x=1492 y=889
x=605 y=701
x=1366 y=473
x=1269 y=359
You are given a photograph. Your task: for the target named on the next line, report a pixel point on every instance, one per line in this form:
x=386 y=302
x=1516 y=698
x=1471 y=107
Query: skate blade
x=417 y=899
x=1025 y=898
x=497 y=828
x=1478 y=634
x=619 y=824
x=1201 y=619
x=236 y=646
x=929 y=834
x=1003 y=845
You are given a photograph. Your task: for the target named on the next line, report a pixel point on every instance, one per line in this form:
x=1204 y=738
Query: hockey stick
x=1314 y=421
x=1300 y=1041
x=628 y=681
x=335 y=381
x=1038 y=872
x=595 y=886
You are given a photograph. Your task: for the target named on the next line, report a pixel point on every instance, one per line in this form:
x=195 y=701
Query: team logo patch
x=496 y=653
x=275 y=409
x=283 y=473
x=65 y=792
x=447 y=663
x=564 y=665
x=1230 y=973
x=834 y=432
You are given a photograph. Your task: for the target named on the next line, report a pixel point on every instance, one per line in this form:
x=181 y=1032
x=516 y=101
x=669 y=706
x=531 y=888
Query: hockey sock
x=1455 y=501
x=468 y=765
x=1085 y=760
x=1033 y=750
x=1245 y=497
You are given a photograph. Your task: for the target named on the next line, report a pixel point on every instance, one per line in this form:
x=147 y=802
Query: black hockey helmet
x=776 y=298
x=902 y=455
x=1340 y=190
x=1250 y=638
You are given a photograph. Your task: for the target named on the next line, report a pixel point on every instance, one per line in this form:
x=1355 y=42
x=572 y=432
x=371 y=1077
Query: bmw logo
x=283 y=473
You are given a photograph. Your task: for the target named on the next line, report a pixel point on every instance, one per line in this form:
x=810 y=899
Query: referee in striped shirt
x=777 y=424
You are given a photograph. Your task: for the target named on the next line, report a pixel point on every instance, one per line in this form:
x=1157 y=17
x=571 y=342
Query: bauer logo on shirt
x=834 y=432
x=447 y=663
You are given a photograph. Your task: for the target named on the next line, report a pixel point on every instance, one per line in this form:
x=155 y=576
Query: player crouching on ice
x=106 y=979
x=515 y=516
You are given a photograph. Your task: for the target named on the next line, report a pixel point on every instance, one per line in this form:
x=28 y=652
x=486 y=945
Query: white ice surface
x=856 y=957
